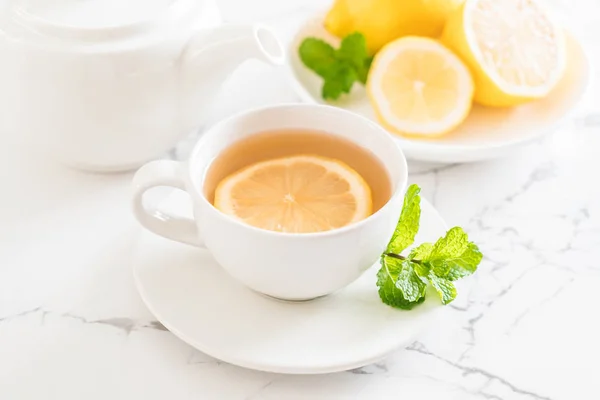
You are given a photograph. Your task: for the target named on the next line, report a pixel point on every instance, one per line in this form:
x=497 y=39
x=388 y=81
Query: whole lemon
x=382 y=21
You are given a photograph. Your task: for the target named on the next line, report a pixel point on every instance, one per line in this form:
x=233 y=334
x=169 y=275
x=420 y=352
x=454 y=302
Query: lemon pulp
x=298 y=194
x=514 y=49
x=419 y=87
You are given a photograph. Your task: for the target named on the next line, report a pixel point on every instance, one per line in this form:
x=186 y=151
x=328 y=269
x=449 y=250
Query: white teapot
x=109 y=84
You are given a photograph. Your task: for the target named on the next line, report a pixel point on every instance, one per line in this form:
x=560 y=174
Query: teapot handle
x=234 y=43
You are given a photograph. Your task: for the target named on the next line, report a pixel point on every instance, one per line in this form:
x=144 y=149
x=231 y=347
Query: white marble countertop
x=73 y=327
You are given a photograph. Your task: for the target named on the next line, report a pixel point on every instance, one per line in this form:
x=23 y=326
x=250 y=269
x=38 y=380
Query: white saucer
x=487 y=132
x=196 y=300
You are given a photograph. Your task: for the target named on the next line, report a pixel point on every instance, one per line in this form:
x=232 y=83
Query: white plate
x=196 y=300
x=487 y=132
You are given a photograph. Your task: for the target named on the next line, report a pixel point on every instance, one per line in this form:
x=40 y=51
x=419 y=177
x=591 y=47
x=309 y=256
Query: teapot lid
x=97 y=19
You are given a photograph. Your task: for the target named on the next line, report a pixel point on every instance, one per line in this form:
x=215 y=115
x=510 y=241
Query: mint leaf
x=408 y=224
x=341 y=68
x=464 y=265
x=419 y=257
x=353 y=49
x=319 y=56
x=444 y=287
x=339 y=82
x=451 y=246
x=421 y=252
x=403 y=273
x=389 y=292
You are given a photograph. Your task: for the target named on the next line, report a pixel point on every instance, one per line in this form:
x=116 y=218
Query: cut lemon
x=297 y=194
x=419 y=87
x=515 y=51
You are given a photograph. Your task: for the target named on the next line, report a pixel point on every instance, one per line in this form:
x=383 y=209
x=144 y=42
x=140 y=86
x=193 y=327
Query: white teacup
x=283 y=265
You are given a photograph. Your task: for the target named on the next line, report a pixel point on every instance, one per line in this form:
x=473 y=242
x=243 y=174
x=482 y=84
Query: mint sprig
x=340 y=68
x=403 y=281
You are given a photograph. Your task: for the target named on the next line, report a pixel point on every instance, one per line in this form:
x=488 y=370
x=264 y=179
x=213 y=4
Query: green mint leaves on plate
x=403 y=281
x=339 y=68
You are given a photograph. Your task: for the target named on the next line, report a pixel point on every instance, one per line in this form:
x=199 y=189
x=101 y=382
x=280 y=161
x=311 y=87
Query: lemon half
x=514 y=49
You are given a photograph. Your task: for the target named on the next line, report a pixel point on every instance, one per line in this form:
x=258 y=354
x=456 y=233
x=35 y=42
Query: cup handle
x=163 y=173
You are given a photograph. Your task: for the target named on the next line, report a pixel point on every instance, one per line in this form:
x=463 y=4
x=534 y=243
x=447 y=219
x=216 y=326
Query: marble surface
x=73 y=327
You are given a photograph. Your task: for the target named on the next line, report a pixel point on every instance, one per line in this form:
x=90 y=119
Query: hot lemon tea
x=297 y=181
x=285 y=265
